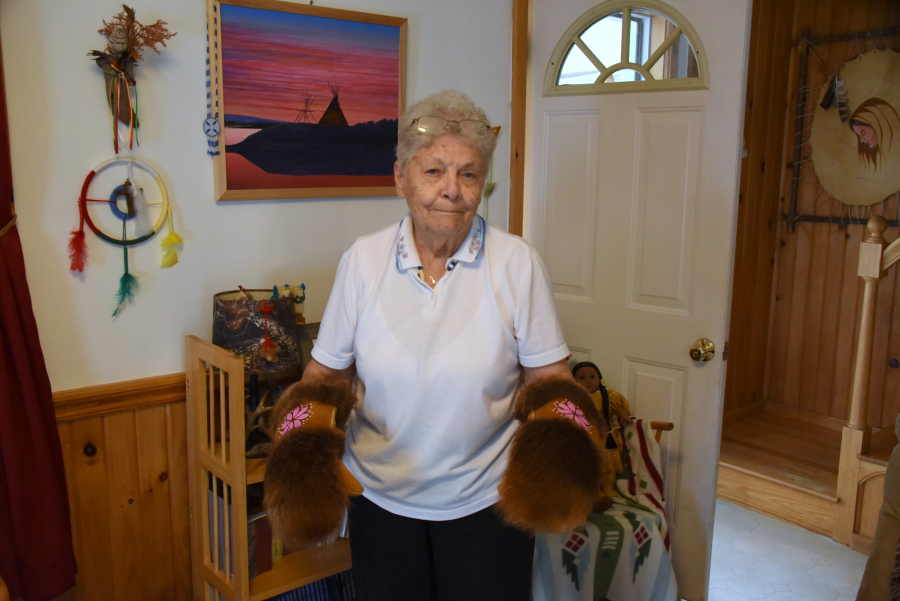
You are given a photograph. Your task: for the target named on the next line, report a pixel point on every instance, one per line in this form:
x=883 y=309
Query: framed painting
x=307 y=99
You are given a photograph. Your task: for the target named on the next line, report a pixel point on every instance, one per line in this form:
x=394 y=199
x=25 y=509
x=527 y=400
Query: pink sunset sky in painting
x=271 y=58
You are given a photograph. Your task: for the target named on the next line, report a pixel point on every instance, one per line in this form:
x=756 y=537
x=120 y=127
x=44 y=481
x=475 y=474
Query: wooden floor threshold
x=806 y=508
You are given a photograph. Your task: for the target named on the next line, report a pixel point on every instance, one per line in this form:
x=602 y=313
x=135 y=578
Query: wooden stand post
x=857 y=433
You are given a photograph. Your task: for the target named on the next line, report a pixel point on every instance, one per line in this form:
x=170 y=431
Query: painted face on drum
x=865 y=134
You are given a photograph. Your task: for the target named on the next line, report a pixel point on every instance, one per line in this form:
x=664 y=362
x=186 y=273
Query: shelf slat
x=301 y=568
x=256 y=470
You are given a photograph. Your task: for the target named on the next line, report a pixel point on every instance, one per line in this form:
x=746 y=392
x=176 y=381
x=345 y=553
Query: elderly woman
x=441 y=318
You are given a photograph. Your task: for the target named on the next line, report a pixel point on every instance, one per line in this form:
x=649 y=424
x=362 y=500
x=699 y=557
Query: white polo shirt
x=440 y=367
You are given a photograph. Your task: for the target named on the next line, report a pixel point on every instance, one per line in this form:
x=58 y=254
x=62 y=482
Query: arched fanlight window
x=620 y=46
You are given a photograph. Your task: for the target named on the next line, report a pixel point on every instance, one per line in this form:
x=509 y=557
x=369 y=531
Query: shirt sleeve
x=335 y=343
x=537 y=328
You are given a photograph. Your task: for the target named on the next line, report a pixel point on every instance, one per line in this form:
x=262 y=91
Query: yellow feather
x=170 y=258
x=171 y=240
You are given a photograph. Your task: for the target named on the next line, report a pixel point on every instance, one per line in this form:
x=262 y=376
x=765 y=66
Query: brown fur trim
x=539 y=393
x=305 y=497
x=553 y=479
x=330 y=392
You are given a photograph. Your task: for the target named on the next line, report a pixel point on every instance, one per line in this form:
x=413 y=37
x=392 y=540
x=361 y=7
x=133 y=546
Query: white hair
x=447 y=104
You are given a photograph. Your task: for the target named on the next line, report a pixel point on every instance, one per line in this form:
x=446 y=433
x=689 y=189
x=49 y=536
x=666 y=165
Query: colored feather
x=170 y=241
x=77 y=250
x=142 y=223
x=170 y=258
x=127 y=286
x=828 y=99
x=842 y=98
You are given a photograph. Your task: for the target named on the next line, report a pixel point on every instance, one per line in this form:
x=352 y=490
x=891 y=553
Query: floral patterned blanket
x=621 y=554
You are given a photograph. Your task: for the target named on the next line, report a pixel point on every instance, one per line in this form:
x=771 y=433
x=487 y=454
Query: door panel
x=658 y=390
x=667 y=161
x=571 y=176
x=631 y=199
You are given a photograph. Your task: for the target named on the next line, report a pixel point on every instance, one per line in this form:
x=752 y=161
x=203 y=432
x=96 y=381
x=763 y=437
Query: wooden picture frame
x=318 y=89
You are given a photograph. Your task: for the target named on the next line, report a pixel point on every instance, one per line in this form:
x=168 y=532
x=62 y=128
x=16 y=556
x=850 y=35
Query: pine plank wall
x=796 y=293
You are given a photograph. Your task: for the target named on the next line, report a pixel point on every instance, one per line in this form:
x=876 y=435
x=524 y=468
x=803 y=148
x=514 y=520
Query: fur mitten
x=307 y=486
x=555 y=469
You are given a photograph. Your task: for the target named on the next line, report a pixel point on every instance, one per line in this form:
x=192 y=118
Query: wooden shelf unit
x=214 y=380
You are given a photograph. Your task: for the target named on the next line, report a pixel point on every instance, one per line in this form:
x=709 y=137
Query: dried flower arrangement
x=127 y=37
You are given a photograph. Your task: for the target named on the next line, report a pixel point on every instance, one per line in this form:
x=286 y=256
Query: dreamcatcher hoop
x=83 y=200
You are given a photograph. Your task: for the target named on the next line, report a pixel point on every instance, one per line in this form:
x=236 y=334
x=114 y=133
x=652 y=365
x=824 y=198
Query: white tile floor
x=756 y=557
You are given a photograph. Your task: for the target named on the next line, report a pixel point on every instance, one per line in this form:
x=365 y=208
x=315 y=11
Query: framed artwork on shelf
x=306 y=99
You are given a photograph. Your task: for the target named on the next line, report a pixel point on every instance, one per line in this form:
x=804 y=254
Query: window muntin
x=600 y=49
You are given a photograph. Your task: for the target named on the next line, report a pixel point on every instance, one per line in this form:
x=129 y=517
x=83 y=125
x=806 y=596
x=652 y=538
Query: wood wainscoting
x=125 y=452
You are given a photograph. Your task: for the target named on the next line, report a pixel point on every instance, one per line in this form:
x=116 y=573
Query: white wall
x=60 y=129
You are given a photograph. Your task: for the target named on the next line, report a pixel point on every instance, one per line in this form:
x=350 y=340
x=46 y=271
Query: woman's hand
x=560 y=369
x=316 y=371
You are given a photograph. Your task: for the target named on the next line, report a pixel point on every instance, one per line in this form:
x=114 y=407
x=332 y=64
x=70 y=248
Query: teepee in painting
x=333 y=115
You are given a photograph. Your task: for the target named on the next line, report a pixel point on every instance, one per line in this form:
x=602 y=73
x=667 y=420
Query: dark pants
x=477 y=557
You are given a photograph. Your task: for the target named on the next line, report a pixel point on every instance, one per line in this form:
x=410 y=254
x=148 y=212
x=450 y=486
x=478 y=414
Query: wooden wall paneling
x=124 y=505
x=65 y=439
x=118 y=396
x=155 y=511
x=782 y=288
x=758 y=209
x=802 y=240
x=89 y=485
x=777 y=122
x=815 y=287
x=736 y=392
x=176 y=442
x=837 y=243
x=772 y=174
x=756 y=165
x=848 y=325
x=138 y=549
x=818 y=204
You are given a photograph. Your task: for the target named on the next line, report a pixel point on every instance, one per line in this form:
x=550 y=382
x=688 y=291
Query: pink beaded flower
x=295 y=418
x=571 y=411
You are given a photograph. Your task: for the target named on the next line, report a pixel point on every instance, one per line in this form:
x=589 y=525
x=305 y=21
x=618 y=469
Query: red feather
x=77 y=250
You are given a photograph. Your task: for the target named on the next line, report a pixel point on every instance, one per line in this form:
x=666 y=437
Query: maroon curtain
x=36 y=557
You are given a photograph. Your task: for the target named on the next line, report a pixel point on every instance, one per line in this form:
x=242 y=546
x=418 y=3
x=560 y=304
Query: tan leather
x=354 y=488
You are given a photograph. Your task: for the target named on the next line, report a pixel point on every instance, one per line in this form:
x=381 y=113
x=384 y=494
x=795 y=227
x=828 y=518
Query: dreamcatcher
x=128 y=205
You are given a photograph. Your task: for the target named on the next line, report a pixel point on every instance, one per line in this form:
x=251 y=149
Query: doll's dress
x=612 y=458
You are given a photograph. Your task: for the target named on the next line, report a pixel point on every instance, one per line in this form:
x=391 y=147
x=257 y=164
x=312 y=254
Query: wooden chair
x=660 y=427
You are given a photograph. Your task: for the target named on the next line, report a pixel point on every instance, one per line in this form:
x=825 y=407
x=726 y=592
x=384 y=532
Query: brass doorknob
x=703 y=350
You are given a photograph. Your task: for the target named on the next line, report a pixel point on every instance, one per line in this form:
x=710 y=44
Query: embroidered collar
x=408 y=255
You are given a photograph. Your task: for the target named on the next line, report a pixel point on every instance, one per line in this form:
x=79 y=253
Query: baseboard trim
x=807 y=417
x=94 y=401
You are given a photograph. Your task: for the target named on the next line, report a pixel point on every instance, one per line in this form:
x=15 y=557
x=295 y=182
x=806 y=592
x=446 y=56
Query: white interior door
x=631 y=201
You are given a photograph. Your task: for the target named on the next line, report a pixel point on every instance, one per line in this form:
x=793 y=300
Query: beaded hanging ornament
x=147 y=219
